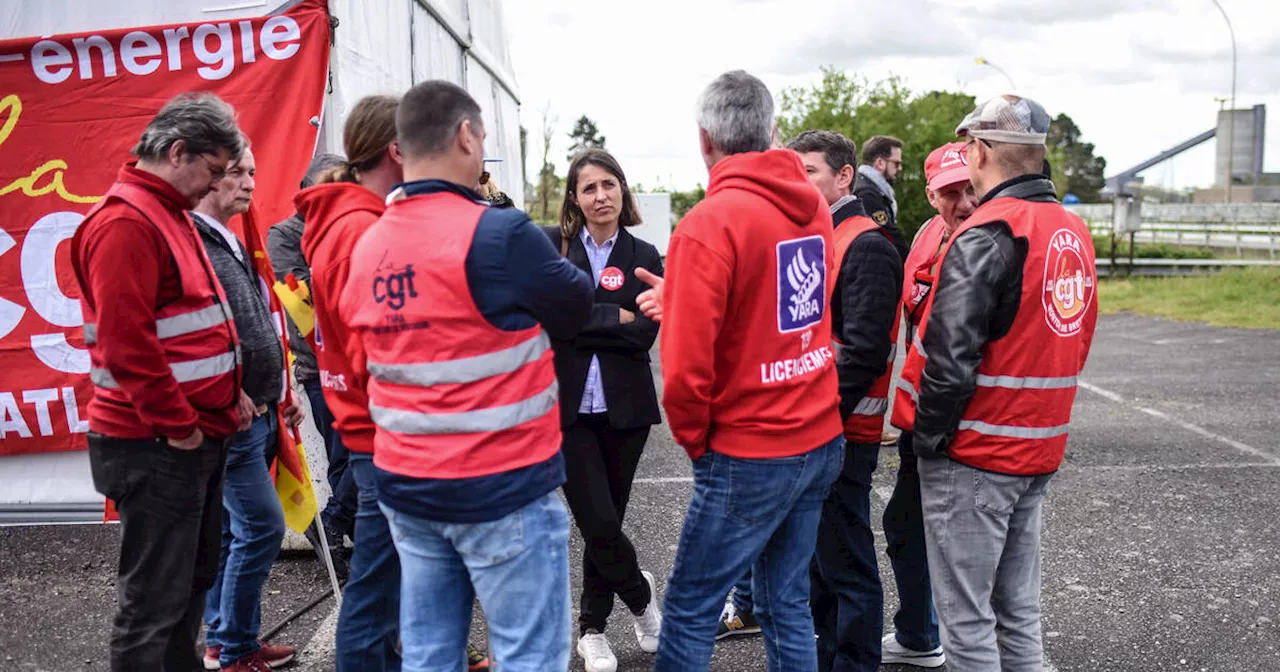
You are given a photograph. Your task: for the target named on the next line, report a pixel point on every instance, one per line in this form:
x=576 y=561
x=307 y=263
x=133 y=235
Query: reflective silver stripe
x=187 y=323
x=917 y=343
x=493 y=419
x=209 y=367
x=103 y=378
x=1013 y=431
x=178 y=325
x=906 y=387
x=893 y=353
x=465 y=370
x=873 y=406
x=183 y=372
x=1026 y=382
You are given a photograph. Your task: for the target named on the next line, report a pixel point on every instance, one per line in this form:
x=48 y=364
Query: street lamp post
x=1231 y=119
x=982 y=61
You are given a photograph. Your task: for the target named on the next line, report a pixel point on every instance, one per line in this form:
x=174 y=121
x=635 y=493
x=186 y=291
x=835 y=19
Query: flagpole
x=328 y=560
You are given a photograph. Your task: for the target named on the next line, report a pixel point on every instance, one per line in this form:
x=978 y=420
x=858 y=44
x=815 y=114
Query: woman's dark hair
x=370 y=127
x=571 y=217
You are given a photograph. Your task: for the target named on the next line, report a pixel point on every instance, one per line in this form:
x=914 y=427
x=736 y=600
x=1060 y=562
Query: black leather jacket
x=978 y=291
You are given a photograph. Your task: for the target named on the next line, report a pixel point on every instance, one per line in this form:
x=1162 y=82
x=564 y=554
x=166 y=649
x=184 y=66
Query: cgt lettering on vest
x=785 y=369
x=14 y=425
x=394 y=286
x=215 y=47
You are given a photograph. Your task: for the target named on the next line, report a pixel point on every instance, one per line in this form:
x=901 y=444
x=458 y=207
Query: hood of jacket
x=777 y=176
x=323 y=205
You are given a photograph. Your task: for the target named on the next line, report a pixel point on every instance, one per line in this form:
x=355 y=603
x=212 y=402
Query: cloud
x=1045 y=14
x=873 y=32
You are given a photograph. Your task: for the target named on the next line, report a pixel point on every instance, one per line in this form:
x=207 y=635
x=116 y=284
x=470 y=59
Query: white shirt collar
x=587 y=239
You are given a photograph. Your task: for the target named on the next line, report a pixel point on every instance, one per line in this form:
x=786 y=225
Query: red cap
x=946 y=165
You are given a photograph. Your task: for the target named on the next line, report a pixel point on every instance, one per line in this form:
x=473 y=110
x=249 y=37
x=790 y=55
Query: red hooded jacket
x=335 y=217
x=747 y=361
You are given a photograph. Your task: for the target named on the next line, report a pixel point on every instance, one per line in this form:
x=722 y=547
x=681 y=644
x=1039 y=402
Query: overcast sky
x=1137 y=76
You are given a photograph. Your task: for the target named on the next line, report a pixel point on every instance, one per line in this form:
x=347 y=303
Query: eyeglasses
x=972 y=140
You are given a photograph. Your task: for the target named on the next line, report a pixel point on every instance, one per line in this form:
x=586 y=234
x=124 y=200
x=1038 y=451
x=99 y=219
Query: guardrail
x=1239 y=227
x=1163 y=267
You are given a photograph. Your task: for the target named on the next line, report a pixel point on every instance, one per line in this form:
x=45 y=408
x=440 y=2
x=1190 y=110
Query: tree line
x=859 y=109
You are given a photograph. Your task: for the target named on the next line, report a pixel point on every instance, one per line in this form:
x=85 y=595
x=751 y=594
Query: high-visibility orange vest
x=866 y=423
x=196 y=330
x=451 y=395
x=1017 y=420
x=917 y=284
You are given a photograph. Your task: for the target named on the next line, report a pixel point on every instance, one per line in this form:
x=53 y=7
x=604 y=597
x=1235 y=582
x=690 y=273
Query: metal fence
x=1247 y=229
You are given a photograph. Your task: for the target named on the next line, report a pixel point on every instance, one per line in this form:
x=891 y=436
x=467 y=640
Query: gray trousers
x=982 y=532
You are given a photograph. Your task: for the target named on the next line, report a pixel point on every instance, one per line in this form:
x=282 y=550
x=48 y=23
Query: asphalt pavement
x=1161 y=542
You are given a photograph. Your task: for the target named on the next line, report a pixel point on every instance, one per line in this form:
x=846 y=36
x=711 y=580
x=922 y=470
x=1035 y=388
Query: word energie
x=142 y=53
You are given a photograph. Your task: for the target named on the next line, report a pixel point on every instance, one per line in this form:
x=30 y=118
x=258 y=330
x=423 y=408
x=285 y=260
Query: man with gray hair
x=755 y=404
x=993 y=404
x=165 y=365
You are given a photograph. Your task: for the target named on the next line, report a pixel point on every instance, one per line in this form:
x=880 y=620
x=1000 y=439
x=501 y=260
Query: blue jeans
x=340 y=513
x=847 y=599
x=369 y=620
x=517 y=565
x=915 y=621
x=748 y=514
x=742 y=595
x=252 y=529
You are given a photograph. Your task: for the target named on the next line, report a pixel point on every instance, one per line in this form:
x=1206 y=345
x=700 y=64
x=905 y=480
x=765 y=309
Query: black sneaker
x=337 y=552
x=734 y=623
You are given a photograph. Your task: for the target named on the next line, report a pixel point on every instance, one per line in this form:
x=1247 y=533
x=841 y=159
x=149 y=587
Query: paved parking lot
x=1162 y=533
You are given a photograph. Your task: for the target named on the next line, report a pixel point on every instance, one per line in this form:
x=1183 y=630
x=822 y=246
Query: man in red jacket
x=166 y=372
x=756 y=406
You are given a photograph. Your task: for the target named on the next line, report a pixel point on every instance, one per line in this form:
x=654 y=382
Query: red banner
x=71 y=108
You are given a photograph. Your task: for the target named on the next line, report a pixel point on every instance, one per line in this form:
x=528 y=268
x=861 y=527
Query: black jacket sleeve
x=284 y=249
x=554 y=291
x=977 y=296
x=605 y=329
x=870 y=283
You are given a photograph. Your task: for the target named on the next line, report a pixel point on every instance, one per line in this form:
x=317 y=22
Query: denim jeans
x=748 y=514
x=339 y=513
x=252 y=529
x=369 y=620
x=847 y=599
x=983 y=535
x=517 y=565
x=915 y=621
x=170 y=506
x=742 y=599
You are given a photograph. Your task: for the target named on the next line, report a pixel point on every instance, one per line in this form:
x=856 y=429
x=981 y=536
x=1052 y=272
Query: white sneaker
x=596 y=654
x=891 y=652
x=649 y=623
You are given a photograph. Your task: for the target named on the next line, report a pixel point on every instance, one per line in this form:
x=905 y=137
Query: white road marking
x=665 y=479
x=1242 y=447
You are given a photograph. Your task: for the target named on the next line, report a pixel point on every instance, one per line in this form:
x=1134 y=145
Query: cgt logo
x=394 y=286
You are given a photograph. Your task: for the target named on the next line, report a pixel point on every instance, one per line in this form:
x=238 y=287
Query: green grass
x=1237 y=297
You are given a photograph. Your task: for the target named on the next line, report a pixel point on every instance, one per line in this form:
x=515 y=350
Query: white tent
x=380 y=46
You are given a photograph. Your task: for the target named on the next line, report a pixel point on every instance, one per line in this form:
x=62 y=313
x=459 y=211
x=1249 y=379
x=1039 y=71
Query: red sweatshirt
x=335 y=216
x=129 y=272
x=747 y=363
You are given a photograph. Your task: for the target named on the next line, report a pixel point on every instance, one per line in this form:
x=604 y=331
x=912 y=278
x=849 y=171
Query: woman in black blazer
x=607 y=398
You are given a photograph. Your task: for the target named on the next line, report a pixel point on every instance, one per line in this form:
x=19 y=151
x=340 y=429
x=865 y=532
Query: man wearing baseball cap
x=991 y=380
x=916 y=640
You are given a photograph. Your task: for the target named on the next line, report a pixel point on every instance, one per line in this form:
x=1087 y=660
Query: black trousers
x=600 y=463
x=170 y=506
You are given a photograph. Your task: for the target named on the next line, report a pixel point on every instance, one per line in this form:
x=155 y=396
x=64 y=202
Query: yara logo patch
x=802 y=275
